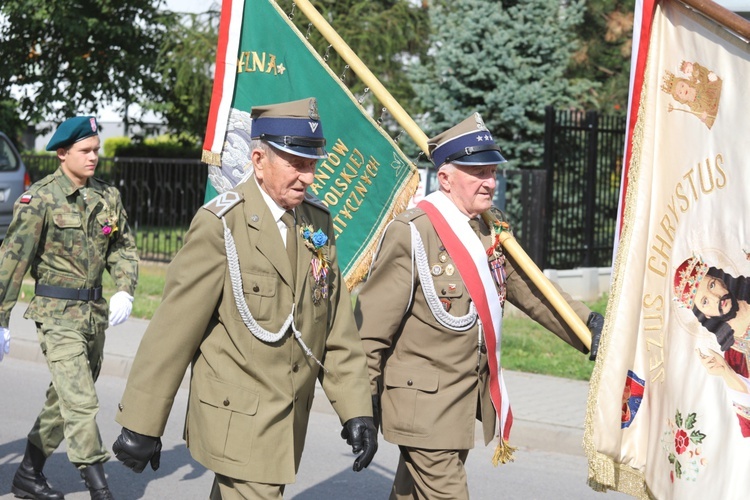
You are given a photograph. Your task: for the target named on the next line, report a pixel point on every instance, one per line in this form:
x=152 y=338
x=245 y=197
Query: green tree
x=604 y=55
x=10 y=123
x=506 y=60
x=185 y=65
x=73 y=56
x=385 y=34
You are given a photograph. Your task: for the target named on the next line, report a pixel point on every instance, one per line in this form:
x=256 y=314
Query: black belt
x=60 y=292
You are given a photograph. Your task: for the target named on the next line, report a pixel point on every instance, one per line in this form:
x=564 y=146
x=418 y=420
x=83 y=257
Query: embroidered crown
x=686 y=279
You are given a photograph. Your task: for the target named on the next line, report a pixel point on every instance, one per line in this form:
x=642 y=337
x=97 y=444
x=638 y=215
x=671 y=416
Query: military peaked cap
x=468 y=143
x=293 y=127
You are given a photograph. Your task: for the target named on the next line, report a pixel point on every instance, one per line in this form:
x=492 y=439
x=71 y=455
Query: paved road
x=325 y=472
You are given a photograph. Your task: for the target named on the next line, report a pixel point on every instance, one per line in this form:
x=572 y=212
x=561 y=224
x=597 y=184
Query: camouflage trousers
x=74 y=359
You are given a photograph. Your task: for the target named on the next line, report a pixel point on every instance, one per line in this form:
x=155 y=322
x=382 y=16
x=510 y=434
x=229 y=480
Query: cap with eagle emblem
x=293 y=127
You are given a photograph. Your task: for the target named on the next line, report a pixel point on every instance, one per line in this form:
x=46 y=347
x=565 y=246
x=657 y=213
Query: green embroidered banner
x=366 y=179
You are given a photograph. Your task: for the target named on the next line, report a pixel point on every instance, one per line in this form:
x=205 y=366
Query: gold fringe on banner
x=362 y=264
x=604 y=473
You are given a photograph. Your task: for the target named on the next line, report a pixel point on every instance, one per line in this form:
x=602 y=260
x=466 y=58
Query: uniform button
x=443 y=291
x=296 y=398
x=226 y=402
x=295 y=368
x=410 y=383
x=483 y=349
x=256 y=288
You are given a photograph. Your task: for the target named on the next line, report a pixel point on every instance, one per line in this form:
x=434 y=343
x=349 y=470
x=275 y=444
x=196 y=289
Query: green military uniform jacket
x=249 y=400
x=431 y=377
x=61 y=237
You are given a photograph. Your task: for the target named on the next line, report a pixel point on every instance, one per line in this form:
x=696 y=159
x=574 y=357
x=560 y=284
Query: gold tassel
x=503 y=453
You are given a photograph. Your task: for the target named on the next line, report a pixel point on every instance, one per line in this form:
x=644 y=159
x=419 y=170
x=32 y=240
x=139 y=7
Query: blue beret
x=293 y=127
x=73 y=130
x=468 y=143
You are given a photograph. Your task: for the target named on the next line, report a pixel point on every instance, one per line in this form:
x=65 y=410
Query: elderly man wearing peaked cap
x=69 y=228
x=256 y=303
x=433 y=345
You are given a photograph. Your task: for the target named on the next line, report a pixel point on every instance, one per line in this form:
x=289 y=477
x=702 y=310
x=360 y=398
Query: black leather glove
x=361 y=434
x=135 y=450
x=595 y=324
x=376 y=410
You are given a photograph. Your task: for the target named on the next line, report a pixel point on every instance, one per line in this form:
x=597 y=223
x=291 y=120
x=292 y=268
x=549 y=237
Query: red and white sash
x=468 y=253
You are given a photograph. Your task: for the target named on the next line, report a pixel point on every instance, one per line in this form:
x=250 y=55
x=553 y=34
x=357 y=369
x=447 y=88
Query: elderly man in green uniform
x=433 y=345
x=255 y=301
x=69 y=228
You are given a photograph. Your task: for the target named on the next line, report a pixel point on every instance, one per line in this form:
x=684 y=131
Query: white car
x=14 y=180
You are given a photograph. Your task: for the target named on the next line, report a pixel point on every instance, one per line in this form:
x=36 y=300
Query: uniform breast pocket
x=67 y=236
x=260 y=292
x=450 y=293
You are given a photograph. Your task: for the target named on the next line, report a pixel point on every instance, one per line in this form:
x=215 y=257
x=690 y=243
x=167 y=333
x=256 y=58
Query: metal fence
x=563 y=216
x=519 y=194
x=160 y=197
x=583 y=158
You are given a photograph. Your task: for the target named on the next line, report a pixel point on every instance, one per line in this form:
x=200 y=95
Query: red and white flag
x=669 y=406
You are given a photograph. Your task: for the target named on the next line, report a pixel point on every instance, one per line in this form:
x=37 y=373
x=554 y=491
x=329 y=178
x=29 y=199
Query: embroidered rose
x=681 y=441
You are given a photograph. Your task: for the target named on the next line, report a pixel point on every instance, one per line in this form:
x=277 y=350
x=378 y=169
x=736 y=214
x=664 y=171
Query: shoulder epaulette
x=315 y=201
x=410 y=214
x=223 y=203
x=102 y=181
x=42 y=182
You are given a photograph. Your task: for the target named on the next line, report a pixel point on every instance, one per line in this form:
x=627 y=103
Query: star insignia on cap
x=480 y=138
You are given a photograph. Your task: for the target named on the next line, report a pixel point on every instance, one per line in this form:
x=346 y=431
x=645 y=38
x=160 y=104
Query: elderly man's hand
x=135 y=450
x=595 y=324
x=361 y=434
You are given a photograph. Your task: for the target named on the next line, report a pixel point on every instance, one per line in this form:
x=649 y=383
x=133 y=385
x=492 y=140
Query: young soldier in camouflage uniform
x=68 y=228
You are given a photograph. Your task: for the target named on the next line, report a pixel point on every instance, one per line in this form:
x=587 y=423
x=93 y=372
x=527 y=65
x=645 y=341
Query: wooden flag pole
x=410 y=127
x=364 y=73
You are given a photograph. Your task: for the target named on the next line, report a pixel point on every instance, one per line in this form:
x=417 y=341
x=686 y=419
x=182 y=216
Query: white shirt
x=276 y=210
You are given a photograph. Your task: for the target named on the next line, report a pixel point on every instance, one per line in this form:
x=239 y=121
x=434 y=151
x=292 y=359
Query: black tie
x=291 y=240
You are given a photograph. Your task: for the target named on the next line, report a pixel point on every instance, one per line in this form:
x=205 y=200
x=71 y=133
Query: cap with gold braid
x=293 y=127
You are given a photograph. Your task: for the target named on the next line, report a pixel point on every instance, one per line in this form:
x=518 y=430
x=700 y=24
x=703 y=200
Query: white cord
x=258 y=331
x=456 y=323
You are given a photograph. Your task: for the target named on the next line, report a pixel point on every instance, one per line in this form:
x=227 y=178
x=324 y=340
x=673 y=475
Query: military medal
x=316 y=242
x=449 y=270
x=437 y=270
x=497 y=269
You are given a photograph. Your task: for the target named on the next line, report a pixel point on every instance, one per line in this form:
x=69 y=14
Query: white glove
x=4 y=342
x=120 y=306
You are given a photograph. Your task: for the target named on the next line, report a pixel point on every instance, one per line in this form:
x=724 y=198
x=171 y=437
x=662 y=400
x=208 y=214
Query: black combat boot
x=29 y=482
x=93 y=476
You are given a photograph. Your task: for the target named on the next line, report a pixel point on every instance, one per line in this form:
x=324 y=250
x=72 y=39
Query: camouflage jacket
x=68 y=236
